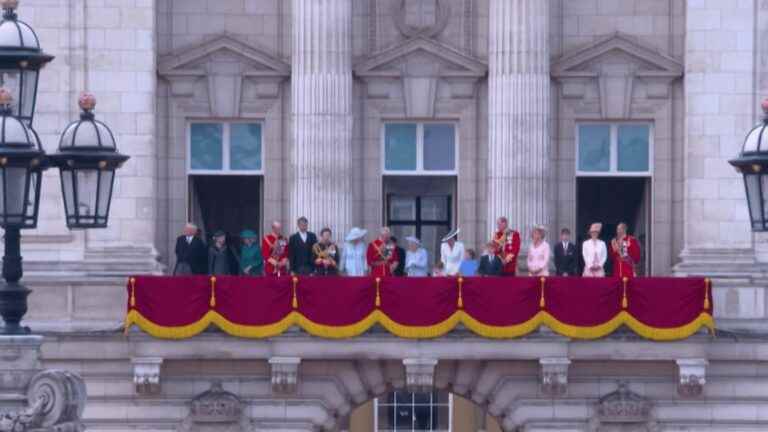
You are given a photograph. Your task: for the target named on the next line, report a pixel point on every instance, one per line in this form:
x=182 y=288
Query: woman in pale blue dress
x=353 y=254
x=416 y=259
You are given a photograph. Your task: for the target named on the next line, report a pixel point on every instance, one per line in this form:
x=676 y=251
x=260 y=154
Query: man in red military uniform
x=625 y=253
x=382 y=256
x=507 y=248
x=274 y=249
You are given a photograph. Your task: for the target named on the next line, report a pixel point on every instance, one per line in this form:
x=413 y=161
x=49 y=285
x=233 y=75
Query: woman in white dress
x=538 y=253
x=594 y=252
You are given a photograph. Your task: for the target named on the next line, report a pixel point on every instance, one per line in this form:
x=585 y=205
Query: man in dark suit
x=566 y=255
x=490 y=264
x=191 y=253
x=400 y=269
x=300 y=249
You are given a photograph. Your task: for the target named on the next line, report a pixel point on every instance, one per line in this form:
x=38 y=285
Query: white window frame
x=419 y=171
x=613 y=170
x=226 y=143
x=376 y=414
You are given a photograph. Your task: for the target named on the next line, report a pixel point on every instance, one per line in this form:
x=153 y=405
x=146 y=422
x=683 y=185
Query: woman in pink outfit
x=538 y=253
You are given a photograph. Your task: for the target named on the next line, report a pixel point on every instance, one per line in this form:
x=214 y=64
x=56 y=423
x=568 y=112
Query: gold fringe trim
x=542 y=301
x=295 y=299
x=132 y=281
x=378 y=292
x=460 y=301
x=213 y=291
x=624 y=300
x=706 y=293
x=134 y=317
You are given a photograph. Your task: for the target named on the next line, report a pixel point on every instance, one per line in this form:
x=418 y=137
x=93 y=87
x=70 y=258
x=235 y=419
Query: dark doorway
x=611 y=200
x=228 y=203
x=421 y=207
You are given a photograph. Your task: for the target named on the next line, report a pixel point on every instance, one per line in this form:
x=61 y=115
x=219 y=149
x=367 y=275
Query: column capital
x=419 y=373
x=554 y=375
x=146 y=374
x=692 y=375
x=285 y=374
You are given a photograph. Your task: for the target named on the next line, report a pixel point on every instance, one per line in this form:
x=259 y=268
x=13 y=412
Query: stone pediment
x=420 y=56
x=223 y=49
x=620 y=49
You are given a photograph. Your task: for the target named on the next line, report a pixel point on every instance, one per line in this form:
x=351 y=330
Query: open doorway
x=611 y=200
x=229 y=203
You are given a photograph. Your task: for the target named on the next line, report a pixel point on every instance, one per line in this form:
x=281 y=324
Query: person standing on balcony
x=565 y=255
x=300 y=249
x=190 y=252
x=382 y=256
x=353 y=255
x=625 y=253
x=274 y=250
x=416 y=259
x=507 y=246
x=251 y=259
x=325 y=255
x=469 y=264
x=538 y=253
x=400 y=270
x=221 y=258
x=594 y=252
x=451 y=253
x=490 y=264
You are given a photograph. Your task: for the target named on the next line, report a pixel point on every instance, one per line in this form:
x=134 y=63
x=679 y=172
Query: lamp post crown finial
x=87 y=101
x=9 y=6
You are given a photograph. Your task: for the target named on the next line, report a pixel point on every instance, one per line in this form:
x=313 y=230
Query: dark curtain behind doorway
x=228 y=203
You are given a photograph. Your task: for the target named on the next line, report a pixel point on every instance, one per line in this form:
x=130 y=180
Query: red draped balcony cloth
x=345 y=307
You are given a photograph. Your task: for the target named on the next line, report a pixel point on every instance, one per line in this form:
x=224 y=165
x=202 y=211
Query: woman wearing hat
x=451 y=253
x=416 y=260
x=594 y=252
x=221 y=258
x=538 y=252
x=251 y=261
x=353 y=254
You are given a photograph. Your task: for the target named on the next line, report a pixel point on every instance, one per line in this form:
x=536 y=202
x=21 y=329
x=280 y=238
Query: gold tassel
x=213 y=291
x=378 y=292
x=295 y=300
x=706 y=293
x=132 y=281
x=624 y=300
x=542 y=301
x=460 y=303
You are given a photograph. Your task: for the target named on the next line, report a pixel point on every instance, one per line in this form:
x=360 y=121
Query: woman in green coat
x=251 y=261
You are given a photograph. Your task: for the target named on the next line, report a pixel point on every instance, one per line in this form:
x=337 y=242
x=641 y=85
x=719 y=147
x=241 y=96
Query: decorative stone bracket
x=285 y=374
x=419 y=374
x=692 y=374
x=55 y=403
x=146 y=374
x=554 y=375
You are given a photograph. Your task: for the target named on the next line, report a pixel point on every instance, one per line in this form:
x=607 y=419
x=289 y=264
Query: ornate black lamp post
x=87 y=159
x=752 y=163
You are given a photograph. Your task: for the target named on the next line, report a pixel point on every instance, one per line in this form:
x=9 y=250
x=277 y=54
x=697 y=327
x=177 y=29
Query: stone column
x=519 y=114
x=321 y=84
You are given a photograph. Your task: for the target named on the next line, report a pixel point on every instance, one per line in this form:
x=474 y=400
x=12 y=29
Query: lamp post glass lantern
x=87 y=159
x=752 y=163
x=21 y=59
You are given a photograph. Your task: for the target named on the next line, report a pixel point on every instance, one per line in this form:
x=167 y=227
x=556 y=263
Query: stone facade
x=693 y=69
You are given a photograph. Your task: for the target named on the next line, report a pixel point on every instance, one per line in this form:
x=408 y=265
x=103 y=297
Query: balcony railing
x=419 y=308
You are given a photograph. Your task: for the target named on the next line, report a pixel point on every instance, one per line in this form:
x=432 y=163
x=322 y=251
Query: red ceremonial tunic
x=507 y=248
x=270 y=250
x=625 y=266
x=375 y=254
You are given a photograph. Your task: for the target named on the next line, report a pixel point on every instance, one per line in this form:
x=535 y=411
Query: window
x=614 y=149
x=422 y=148
x=410 y=412
x=427 y=217
x=225 y=148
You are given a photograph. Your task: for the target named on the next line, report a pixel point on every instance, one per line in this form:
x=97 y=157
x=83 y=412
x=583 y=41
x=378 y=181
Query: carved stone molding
x=146 y=374
x=55 y=402
x=692 y=374
x=442 y=14
x=285 y=374
x=216 y=409
x=419 y=374
x=554 y=375
x=621 y=409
